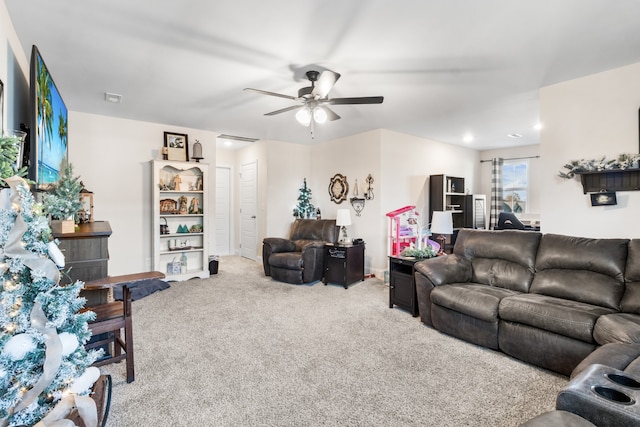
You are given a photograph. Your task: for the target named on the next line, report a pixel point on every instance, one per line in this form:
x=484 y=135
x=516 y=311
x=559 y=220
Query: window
x=515 y=185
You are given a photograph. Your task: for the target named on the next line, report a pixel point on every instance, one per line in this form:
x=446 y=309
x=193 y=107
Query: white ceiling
x=445 y=67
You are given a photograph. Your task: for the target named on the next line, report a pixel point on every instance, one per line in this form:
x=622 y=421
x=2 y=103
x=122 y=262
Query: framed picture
x=177 y=145
x=604 y=198
x=338 y=188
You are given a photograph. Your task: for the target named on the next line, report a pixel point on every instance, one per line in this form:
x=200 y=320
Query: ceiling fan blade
x=283 y=110
x=264 y=92
x=324 y=84
x=357 y=100
x=331 y=115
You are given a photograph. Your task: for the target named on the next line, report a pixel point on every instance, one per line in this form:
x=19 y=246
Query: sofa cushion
x=504 y=259
x=564 y=317
x=475 y=300
x=581 y=269
x=617 y=327
x=631 y=299
x=288 y=260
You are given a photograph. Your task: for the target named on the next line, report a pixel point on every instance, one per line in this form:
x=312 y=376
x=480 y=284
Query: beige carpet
x=240 y=349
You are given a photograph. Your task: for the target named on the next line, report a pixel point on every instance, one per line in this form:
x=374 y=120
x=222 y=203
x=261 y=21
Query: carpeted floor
x=239 y=349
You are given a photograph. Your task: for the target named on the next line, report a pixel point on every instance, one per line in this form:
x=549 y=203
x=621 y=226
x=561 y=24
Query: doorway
x=248 y=210
x=223 y=211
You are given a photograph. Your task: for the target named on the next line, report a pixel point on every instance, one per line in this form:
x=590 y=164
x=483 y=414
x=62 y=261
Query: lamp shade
x=303 y=116
x=442 y=222
x=319 y=115
x=343 y=217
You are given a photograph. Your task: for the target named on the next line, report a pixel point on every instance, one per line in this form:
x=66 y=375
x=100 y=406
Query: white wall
x=588 y=118
x=406 y=163
x=399 y=164
x=14 y=73
x=112 y=157
x=354 y=157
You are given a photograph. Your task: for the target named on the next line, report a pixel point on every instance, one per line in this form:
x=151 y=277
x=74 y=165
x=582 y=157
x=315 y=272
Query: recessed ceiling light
x=514 y=135
x=113 y=97
x=538 y=126
x=227 y=142
x=468 y=138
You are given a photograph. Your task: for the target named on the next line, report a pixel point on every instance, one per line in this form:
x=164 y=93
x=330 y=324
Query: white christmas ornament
x=55 y=254
x=69 y=343
x=18 y=346
x=85 y=381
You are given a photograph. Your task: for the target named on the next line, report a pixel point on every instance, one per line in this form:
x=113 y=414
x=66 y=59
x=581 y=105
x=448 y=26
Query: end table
x=343 y=263
x=402 y=285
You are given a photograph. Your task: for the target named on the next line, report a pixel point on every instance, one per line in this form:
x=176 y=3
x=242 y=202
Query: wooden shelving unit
x=186 y=227
x=612 y=180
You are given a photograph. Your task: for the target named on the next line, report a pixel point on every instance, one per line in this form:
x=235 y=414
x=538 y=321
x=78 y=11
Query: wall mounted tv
x=48 y=128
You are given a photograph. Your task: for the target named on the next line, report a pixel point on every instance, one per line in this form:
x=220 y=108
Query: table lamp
x=441 y=223
x=343 y=218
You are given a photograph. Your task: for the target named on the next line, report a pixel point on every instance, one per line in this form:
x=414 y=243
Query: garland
x=624 y=161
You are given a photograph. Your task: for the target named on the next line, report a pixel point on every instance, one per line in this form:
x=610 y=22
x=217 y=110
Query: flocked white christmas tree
x=44 y=367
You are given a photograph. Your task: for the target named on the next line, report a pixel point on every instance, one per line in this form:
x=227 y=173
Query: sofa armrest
x=272 y=245
x=445 y=269
x=312 y=259
x=434 y=272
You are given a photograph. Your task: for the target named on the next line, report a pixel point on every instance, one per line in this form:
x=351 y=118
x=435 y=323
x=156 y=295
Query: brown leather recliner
x=299 y=259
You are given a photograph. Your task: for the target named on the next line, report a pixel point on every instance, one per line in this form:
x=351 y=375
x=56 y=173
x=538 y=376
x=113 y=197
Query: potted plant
x=63 y=202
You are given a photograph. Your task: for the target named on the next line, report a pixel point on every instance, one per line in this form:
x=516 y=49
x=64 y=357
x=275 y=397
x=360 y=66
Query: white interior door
x=223 y=211
x=248 y=209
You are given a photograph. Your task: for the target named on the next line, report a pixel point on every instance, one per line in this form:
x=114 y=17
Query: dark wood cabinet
x=86 y=252
x=343 y=264
x=402 y=287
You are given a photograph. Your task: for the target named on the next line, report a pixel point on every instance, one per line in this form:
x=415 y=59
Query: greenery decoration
x=43 y=361
x=622 y=162
x=427 y=252
x=63 y=202
x=304 y=208
x=9 y=151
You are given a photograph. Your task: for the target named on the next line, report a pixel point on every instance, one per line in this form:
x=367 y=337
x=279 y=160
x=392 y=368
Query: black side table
x=402 y=285
x=343 y=264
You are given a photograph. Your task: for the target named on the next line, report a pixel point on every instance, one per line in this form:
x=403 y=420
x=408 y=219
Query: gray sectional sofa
x=546 y=299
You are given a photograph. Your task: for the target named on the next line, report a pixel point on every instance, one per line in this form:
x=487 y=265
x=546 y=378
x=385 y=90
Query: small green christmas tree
x=304 y=208
x=43 y=362
x=64 y=201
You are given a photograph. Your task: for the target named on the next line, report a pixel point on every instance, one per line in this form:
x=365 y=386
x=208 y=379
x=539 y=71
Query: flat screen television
x=48 y=129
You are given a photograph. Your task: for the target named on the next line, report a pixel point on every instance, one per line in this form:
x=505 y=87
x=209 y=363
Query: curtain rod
x=514 y=158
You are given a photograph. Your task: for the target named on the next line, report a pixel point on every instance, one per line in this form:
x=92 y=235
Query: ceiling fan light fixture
x=303 y=116
x=319 y=115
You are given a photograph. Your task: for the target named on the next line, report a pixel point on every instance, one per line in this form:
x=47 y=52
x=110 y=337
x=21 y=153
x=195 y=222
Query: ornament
x=85 y=381
x=18 y=346
x=69 y=343
x=55 y=254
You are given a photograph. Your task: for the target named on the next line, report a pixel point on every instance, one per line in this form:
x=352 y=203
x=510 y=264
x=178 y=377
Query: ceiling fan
x=314 y=99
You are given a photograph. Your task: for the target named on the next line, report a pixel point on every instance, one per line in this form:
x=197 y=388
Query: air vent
x=237 y=138
x=114 y=98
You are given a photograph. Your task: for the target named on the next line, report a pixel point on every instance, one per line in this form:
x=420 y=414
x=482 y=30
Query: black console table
x=343 y=264
x=402 y=286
